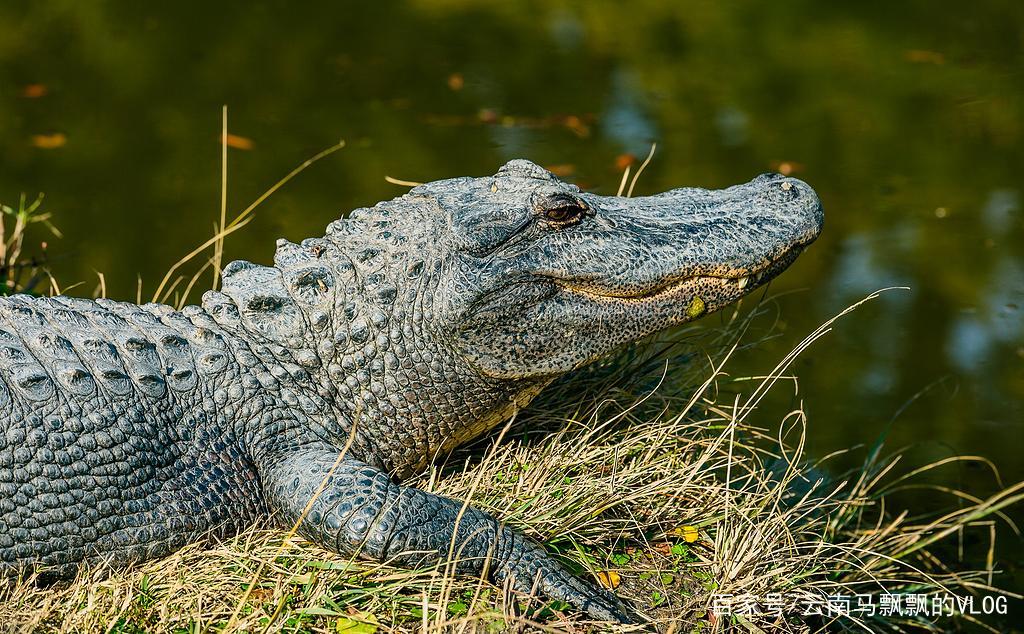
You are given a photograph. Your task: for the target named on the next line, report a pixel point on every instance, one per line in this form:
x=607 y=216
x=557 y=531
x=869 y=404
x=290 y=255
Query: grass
x=636 y=473
x=18 y=275
x=655 y=473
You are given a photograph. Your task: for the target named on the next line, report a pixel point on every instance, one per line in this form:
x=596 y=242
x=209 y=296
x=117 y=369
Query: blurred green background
x=905 y=117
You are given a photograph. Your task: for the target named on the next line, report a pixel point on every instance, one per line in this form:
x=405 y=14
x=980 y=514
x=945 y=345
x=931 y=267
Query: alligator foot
x=359 y=510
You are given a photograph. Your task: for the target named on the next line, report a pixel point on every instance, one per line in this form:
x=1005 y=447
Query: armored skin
x=309 y=389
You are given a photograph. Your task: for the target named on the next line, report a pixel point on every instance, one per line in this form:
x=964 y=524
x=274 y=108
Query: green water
x=907 y=119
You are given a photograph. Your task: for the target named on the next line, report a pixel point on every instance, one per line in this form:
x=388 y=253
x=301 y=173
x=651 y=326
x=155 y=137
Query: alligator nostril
x=789 y=189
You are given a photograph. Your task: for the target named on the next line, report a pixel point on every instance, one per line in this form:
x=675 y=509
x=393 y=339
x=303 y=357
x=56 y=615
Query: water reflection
x=906 y=120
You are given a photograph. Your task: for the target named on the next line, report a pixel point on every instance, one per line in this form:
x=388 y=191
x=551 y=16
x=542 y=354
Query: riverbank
x=656 y=474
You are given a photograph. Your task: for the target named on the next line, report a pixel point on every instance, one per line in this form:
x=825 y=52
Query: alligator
x=307 y=391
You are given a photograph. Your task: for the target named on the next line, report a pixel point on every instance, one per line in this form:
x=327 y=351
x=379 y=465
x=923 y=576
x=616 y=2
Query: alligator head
x=544 y=278
x=440 y=311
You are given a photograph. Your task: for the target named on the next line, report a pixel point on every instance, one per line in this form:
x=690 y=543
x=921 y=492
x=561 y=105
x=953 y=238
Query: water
x=908 y=121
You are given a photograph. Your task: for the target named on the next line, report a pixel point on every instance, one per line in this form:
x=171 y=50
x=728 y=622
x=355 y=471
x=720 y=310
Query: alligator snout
x=794 y=190
x=787 y=200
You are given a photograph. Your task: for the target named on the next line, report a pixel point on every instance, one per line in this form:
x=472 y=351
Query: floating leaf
x=49 y=141
x=238 y=142
x=561 y=169
x=919 y=56
x=34 y=91
x=622 y=161
x=786 y=168
x=576 y=125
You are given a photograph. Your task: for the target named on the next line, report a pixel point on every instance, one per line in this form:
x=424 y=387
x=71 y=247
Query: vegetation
x=906 y=119
x=672 y=490
x=655 y=473
x=18 y=275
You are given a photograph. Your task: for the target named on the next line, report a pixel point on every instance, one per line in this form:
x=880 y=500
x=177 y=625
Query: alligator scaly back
x=129 y=431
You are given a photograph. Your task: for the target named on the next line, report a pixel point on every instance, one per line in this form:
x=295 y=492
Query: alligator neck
x=334 y=343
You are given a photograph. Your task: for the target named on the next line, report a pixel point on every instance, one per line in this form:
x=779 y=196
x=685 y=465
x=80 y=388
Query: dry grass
x=673 y=493
x=654 y=472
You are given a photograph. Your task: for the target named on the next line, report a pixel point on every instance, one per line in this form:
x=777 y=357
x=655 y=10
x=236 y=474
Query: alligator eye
x=565 y=213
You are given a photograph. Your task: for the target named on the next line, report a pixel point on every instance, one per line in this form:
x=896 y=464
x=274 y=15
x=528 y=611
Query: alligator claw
x=533 y=570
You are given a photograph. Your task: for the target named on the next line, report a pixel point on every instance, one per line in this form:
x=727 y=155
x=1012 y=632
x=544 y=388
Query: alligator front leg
x=358 y=510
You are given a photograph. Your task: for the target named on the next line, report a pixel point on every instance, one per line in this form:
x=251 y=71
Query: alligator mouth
x=735 y=285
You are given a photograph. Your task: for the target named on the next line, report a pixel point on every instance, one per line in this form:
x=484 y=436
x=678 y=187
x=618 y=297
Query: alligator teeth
x=742 y=282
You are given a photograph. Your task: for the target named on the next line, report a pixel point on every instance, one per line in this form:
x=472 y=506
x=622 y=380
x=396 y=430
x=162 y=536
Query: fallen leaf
x=49 y=141
x=609 y=579
x=262 y=595
x=238 y=142
x=665 y=548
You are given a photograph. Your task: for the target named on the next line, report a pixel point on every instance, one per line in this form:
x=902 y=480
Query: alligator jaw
x=733 y=286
